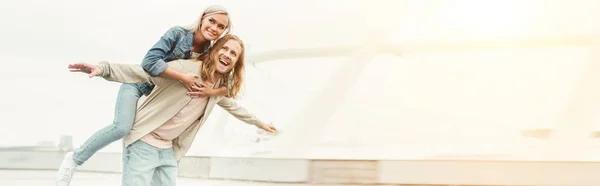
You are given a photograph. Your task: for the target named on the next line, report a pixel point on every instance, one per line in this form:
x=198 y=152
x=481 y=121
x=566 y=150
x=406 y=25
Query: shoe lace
x=67 y=175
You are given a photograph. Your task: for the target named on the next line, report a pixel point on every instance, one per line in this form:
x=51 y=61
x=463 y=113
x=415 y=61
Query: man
x=168 y=120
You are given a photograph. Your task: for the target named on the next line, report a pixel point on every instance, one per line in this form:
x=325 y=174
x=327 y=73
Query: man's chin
x=222 y=70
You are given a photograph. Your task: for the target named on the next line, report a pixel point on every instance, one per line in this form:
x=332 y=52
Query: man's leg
x=139 y=163
x=166 y=173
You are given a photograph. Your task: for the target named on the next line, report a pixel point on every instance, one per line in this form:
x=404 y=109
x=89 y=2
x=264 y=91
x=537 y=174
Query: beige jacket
x=167 y=98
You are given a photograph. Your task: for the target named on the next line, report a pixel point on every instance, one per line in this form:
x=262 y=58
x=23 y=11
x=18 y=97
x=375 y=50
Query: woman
x=166 y=123
x=176 y=43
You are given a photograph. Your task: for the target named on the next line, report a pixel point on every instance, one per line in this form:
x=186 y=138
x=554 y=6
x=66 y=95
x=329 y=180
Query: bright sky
x=421 y=93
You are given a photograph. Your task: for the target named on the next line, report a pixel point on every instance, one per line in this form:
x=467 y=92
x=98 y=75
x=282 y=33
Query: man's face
x=228 y=56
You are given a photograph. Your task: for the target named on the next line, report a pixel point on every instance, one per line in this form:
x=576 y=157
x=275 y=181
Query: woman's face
x=213 y=26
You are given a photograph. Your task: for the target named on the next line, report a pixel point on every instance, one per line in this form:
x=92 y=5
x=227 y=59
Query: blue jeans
x=125 y=109
x=145 y=165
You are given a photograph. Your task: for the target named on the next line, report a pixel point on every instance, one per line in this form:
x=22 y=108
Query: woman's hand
x=189 y=81
x=203 y=89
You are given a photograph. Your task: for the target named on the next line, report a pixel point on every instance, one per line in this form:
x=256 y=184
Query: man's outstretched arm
x=122 y=73
x=242 y=114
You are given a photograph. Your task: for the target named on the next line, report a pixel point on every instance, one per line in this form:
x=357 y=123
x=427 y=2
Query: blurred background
x=353 y=79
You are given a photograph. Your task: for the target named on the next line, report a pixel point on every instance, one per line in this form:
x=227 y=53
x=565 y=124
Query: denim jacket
x=176 y=43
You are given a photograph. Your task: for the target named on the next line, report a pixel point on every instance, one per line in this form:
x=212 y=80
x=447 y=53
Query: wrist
x=211 y=92
x=177 y=76
x=101 y=67
x=99 y=70
x=223 y=90
x=172 y=74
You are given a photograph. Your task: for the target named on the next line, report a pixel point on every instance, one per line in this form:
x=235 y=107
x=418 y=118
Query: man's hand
x=268 y=127
x=189 y=81
x=92 y=70
x=203 y=89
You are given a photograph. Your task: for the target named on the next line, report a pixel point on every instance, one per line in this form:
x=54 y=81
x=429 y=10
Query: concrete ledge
x=343 y=171
x=359 y=172
x=30 y=160
x=194 y=167
x=270 y=170
x=514 y=173
x=50 y=160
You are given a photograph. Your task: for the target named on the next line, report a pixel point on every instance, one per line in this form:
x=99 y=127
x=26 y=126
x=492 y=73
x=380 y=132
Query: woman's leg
x=124 y=116
x=140 y=160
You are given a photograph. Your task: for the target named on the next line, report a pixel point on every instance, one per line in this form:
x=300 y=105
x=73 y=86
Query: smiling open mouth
x=223 y=62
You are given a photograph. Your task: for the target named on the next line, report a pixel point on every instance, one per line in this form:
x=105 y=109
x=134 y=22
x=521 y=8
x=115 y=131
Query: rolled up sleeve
x=153 y=62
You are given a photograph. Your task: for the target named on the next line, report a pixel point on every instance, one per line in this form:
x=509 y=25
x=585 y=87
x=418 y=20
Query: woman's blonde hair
x=232 y=80
x=211 y=10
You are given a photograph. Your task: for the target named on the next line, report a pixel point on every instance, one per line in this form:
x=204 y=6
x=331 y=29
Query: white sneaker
x=66 y=170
